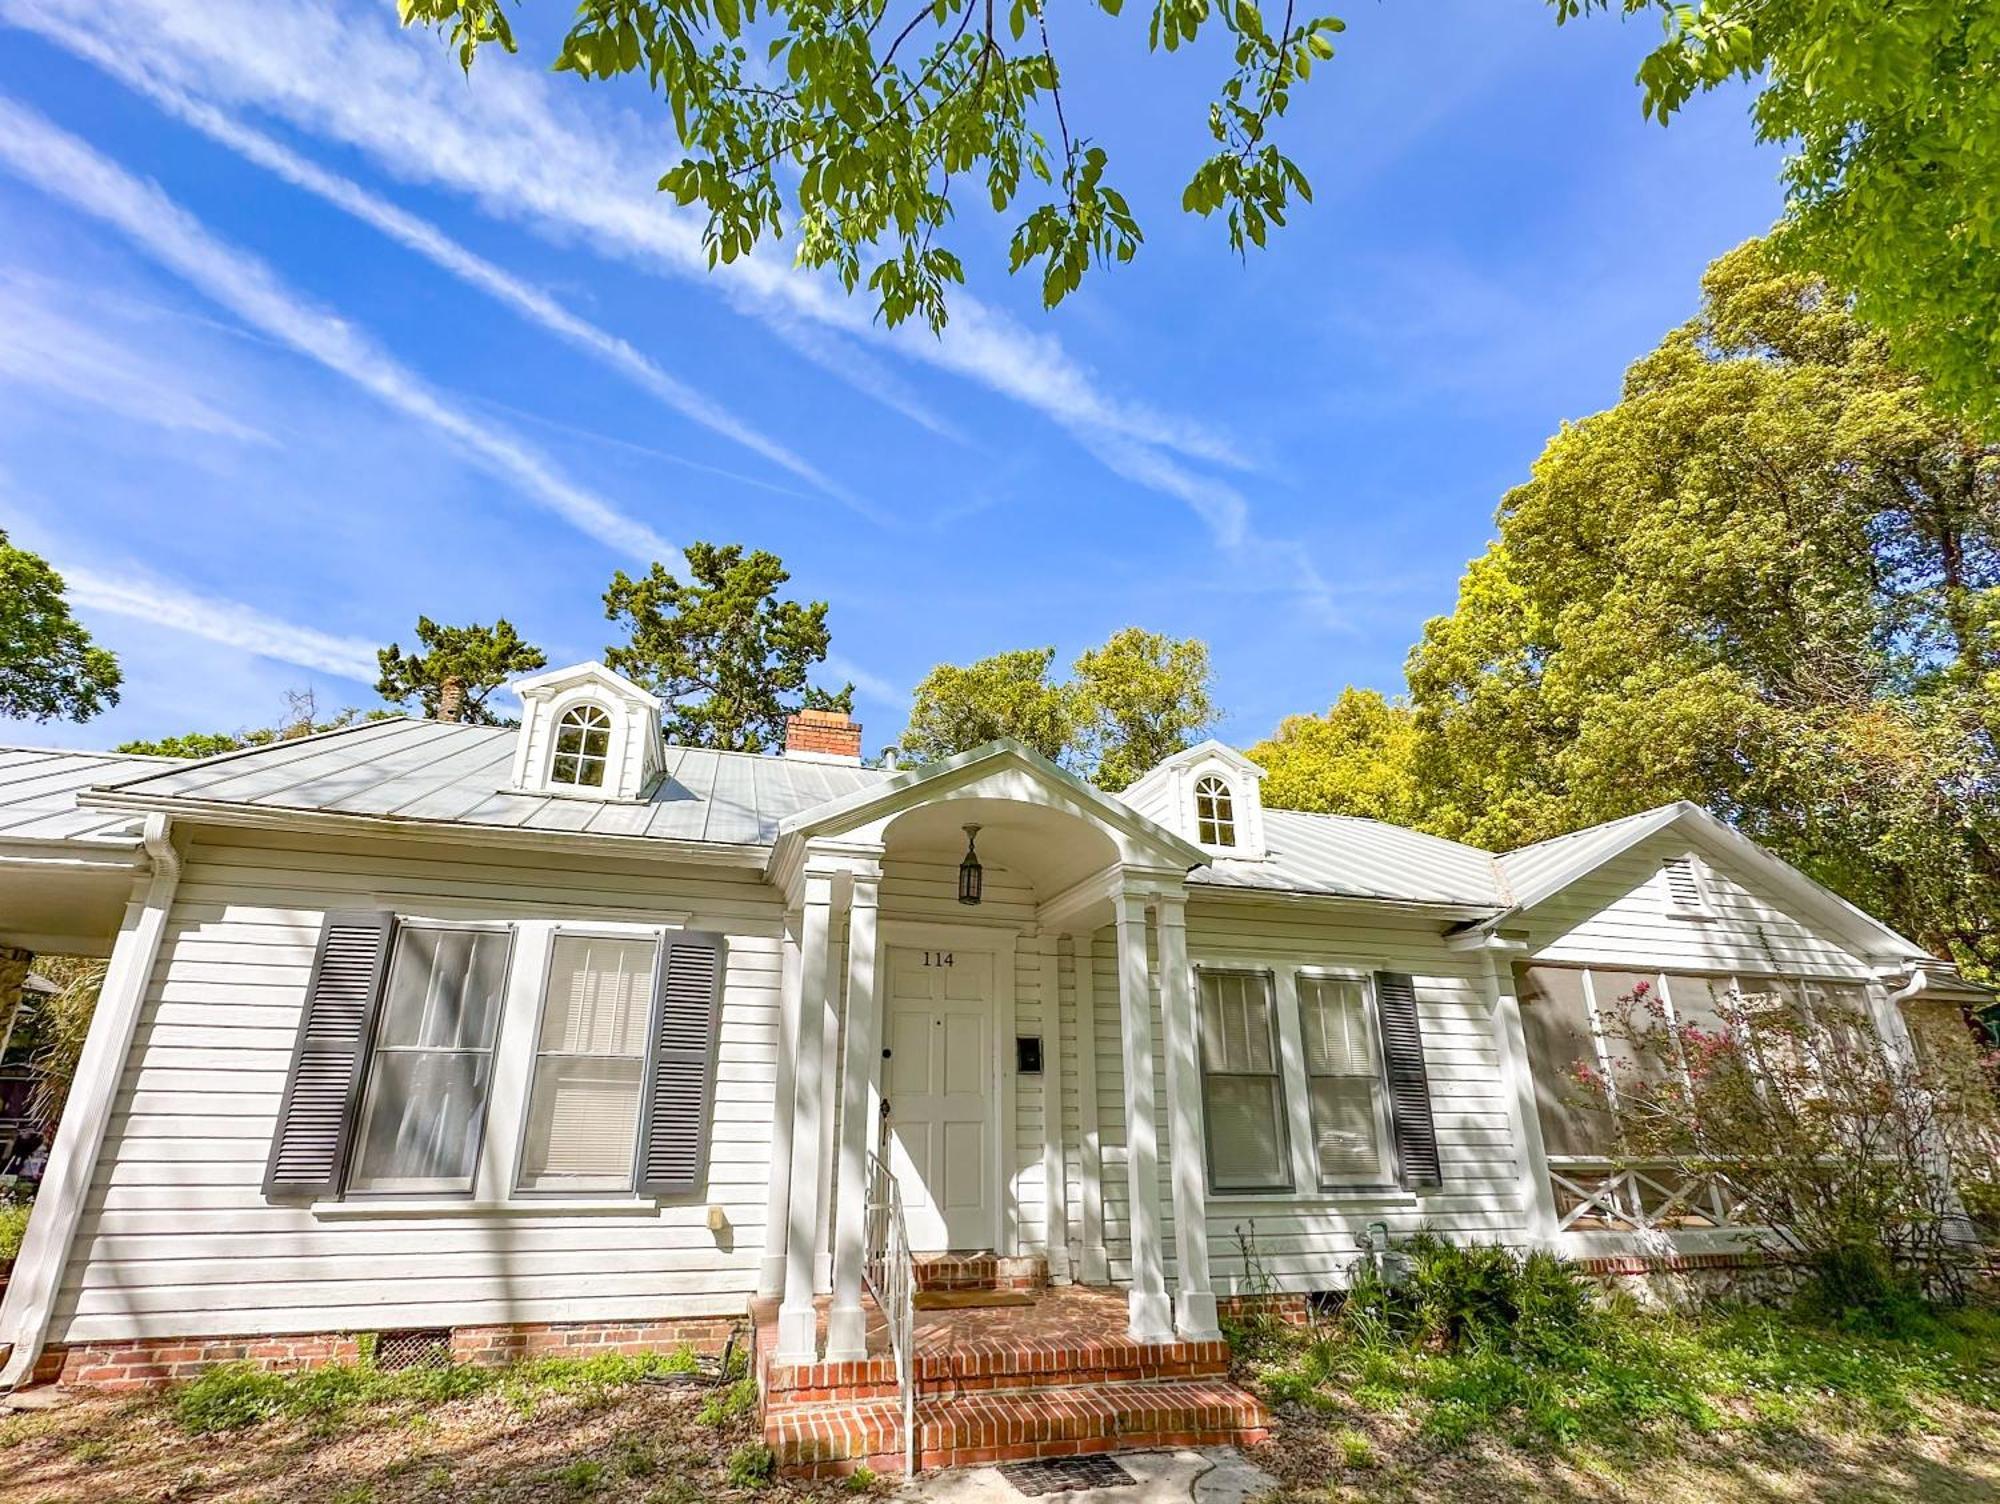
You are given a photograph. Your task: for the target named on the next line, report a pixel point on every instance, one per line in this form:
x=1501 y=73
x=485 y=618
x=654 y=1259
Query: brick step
x=982 y=1364
x=942 y=1272
x=970 y=1430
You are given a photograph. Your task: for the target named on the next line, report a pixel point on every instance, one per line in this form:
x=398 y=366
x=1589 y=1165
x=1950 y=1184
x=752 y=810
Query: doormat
x=1066 y=1475
x=971 y=1300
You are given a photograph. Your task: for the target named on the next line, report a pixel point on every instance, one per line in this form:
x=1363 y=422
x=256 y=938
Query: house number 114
x=937 y=958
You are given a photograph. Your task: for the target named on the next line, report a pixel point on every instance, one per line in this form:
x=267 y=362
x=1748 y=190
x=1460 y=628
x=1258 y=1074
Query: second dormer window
x=1214 y=812
x=583 y=747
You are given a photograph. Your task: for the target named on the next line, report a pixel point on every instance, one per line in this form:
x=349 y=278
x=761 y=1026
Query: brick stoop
x=1058 y=1378
x=958 y=1272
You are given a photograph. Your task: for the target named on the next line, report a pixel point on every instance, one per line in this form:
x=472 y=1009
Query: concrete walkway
x=1217 y=1475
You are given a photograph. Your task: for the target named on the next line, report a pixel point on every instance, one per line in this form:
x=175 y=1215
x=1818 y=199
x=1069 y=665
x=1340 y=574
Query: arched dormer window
x=583 y=747
x=1214 y=812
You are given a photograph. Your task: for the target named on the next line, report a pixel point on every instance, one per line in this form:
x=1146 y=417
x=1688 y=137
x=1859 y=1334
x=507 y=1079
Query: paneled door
x=943 y=1118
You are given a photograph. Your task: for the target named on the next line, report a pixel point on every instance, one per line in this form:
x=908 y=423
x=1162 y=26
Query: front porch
x=1055 y=1376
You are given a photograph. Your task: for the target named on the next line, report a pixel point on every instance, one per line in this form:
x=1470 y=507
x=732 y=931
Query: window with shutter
x=680 y=1089
x=590 y=1062
x=1243 y=1095
x=1350 y=1116
x=316 y=1114
x=1415 y=1128
x=425 y=1104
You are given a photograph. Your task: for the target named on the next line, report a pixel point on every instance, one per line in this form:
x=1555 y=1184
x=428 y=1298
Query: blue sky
x=302 y=334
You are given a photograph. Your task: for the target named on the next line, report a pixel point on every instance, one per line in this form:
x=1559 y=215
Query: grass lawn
x=1743 y=1408
x=605 y=1429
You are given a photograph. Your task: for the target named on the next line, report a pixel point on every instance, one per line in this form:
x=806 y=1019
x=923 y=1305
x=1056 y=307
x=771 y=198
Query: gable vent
x=1684 y=888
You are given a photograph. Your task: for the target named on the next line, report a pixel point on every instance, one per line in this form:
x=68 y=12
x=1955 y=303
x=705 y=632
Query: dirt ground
x=1954 y=1459
x=643 y=1445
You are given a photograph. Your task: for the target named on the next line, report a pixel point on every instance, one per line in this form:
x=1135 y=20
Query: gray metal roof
x=417 y=770
x=1532 y=873
x=1346 y=856
x=38 y=789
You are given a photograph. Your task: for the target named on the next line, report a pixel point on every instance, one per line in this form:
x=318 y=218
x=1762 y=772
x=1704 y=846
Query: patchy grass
x=550 y=1430
x=1736 y=1406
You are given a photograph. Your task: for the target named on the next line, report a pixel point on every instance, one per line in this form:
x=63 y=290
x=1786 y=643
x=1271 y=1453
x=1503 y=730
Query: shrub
x=13 y=1226
x=752 y=1465
x=1456 y=1296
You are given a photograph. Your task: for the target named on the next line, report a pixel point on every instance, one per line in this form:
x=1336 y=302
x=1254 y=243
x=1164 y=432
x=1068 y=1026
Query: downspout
x=45 y=1251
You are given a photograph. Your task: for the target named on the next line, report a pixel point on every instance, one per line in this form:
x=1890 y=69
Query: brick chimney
x=823 y=736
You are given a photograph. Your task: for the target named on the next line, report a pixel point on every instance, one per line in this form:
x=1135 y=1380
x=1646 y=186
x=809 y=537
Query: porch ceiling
x=1050 y=848
x=64 y=906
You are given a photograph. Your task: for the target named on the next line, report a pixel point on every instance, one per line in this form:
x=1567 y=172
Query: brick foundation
x=1289 y=1308
x=149 y=1363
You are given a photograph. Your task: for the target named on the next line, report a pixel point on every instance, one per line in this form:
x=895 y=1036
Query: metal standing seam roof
x=447 y=774
x=38 y=789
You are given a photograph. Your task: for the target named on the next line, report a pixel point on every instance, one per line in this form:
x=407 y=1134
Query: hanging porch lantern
x=971 y=876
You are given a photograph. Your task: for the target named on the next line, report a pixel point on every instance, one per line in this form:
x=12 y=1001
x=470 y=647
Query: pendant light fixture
x=971 y=876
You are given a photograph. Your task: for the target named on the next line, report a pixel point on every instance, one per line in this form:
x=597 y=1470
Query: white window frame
x=434 y=1188
x=612 y=728
x=535 y=1018
x=1284 y=1071
x=1225 y=816
x=1385 y=1122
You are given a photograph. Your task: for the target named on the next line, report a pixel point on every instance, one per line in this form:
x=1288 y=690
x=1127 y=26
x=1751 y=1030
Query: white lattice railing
x=888 y=1272
x=1603 y=1195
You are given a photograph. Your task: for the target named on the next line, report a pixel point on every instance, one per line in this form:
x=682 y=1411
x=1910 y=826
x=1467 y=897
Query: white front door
x=943 y=1118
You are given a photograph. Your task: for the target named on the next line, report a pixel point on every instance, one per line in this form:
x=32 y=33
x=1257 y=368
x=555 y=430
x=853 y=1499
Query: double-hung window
x=590 y=1064
x=432 y=1062
x=1350 y=1104
x=1243 y=1095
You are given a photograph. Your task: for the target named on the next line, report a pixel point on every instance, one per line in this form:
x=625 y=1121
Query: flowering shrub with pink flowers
x=1869 y=1161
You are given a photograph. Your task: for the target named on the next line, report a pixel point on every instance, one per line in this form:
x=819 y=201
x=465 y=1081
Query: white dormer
x=587 y=733
x=1210 y=794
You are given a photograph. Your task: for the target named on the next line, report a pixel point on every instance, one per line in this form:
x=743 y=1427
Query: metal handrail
x=888 y=1271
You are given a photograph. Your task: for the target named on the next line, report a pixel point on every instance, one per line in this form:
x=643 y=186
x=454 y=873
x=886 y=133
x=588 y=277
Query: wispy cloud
x=66 y=168
x=427 y=240
x=874 y=686
x=44 y=349
x=223 y=621
x=525 y=154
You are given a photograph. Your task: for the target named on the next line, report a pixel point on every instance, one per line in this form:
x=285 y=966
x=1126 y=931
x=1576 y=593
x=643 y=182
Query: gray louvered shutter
x=1409 y=1083
x=316 y=1116
x=680 y=1085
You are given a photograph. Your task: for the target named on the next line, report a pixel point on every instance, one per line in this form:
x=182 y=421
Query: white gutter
x=45 y=1251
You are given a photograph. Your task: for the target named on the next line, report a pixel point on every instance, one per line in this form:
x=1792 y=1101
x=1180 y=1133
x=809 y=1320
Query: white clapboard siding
x=1618 y=917
x=176 y=1236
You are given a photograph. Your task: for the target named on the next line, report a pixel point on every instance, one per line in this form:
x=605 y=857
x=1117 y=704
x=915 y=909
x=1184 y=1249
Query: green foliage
x=1767 y=581
x=846 y=124
x=752 y=1465
x=49 y=666
x=301 y=718
x=231 y=1396
x=1890 y=115
x=730 y=658
x=1458 y=1296
x=191 y=744
x=1357 y=759
x=1137 y=699
x=728 y=1405
x=457 y=669
x=57 y=1031
x=1612 y=1374
x=13 y=1226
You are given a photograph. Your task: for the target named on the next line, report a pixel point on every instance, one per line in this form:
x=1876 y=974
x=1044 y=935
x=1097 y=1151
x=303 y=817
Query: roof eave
x=404 y=827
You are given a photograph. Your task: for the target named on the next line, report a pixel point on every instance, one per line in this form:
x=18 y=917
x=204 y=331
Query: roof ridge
x=329 y=734
x=88 y=752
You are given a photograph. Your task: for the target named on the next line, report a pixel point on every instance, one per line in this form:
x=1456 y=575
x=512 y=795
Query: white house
x=510 y=1038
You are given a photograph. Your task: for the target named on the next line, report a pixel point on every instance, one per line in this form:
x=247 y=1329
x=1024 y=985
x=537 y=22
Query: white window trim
x=433 y=1189
x=1225 y=802
x=1289 y=1062
x=1385 y=1119
x=614 y=736
x=532 y=1049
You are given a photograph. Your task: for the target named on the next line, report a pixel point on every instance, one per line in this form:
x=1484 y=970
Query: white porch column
x=1096 y=1268
x=1055 y=1157
x=797 y=1323
x=778 y=1207
x=1194 y=1298
x=1538 y=1197
x=847 y=1328
x=38 y=1272
x=1151 y=1316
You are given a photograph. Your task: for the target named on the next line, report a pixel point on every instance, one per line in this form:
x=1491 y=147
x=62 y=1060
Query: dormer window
x=1214 y=812
x=583 y=747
